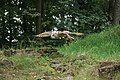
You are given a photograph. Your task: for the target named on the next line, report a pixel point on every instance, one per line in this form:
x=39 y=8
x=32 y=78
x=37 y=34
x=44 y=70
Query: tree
x=19 y=19
x=116 y=12
x=110 y=9
x=113 y=11
x=39 y=19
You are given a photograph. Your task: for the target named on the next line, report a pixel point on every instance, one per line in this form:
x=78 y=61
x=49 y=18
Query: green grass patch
x=28 y=62
x=102 y=45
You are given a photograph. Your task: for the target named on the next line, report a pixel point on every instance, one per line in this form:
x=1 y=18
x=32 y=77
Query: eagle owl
x=59 y=35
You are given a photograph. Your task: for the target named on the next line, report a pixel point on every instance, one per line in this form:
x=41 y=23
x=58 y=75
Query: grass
x=93 y=48
x=101 y=45
x=104 y=46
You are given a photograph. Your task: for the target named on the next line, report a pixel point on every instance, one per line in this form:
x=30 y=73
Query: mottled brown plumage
x=59 y=34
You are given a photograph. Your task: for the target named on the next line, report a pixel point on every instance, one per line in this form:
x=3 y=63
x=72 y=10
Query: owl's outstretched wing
x=77 y=33
x=44 y=34
x=74 y=33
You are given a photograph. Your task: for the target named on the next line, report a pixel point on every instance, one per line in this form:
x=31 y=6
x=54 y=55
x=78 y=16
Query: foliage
x=77 y=15
x=18 y=18
x=15 y=21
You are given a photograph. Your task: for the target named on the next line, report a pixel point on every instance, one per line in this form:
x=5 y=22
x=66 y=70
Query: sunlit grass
x=102 y=45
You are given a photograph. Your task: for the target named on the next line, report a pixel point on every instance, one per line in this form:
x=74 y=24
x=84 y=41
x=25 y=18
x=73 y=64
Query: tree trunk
x=10 y=24
x=39 y=19
x=111 y=9
x=116 y=13
x=24 y=24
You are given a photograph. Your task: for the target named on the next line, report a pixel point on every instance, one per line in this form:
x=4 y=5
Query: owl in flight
x=59 y=35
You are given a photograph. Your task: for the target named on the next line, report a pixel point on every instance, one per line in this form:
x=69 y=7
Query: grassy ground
x=79 y=63
x=104 y=46
x=101 y=45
